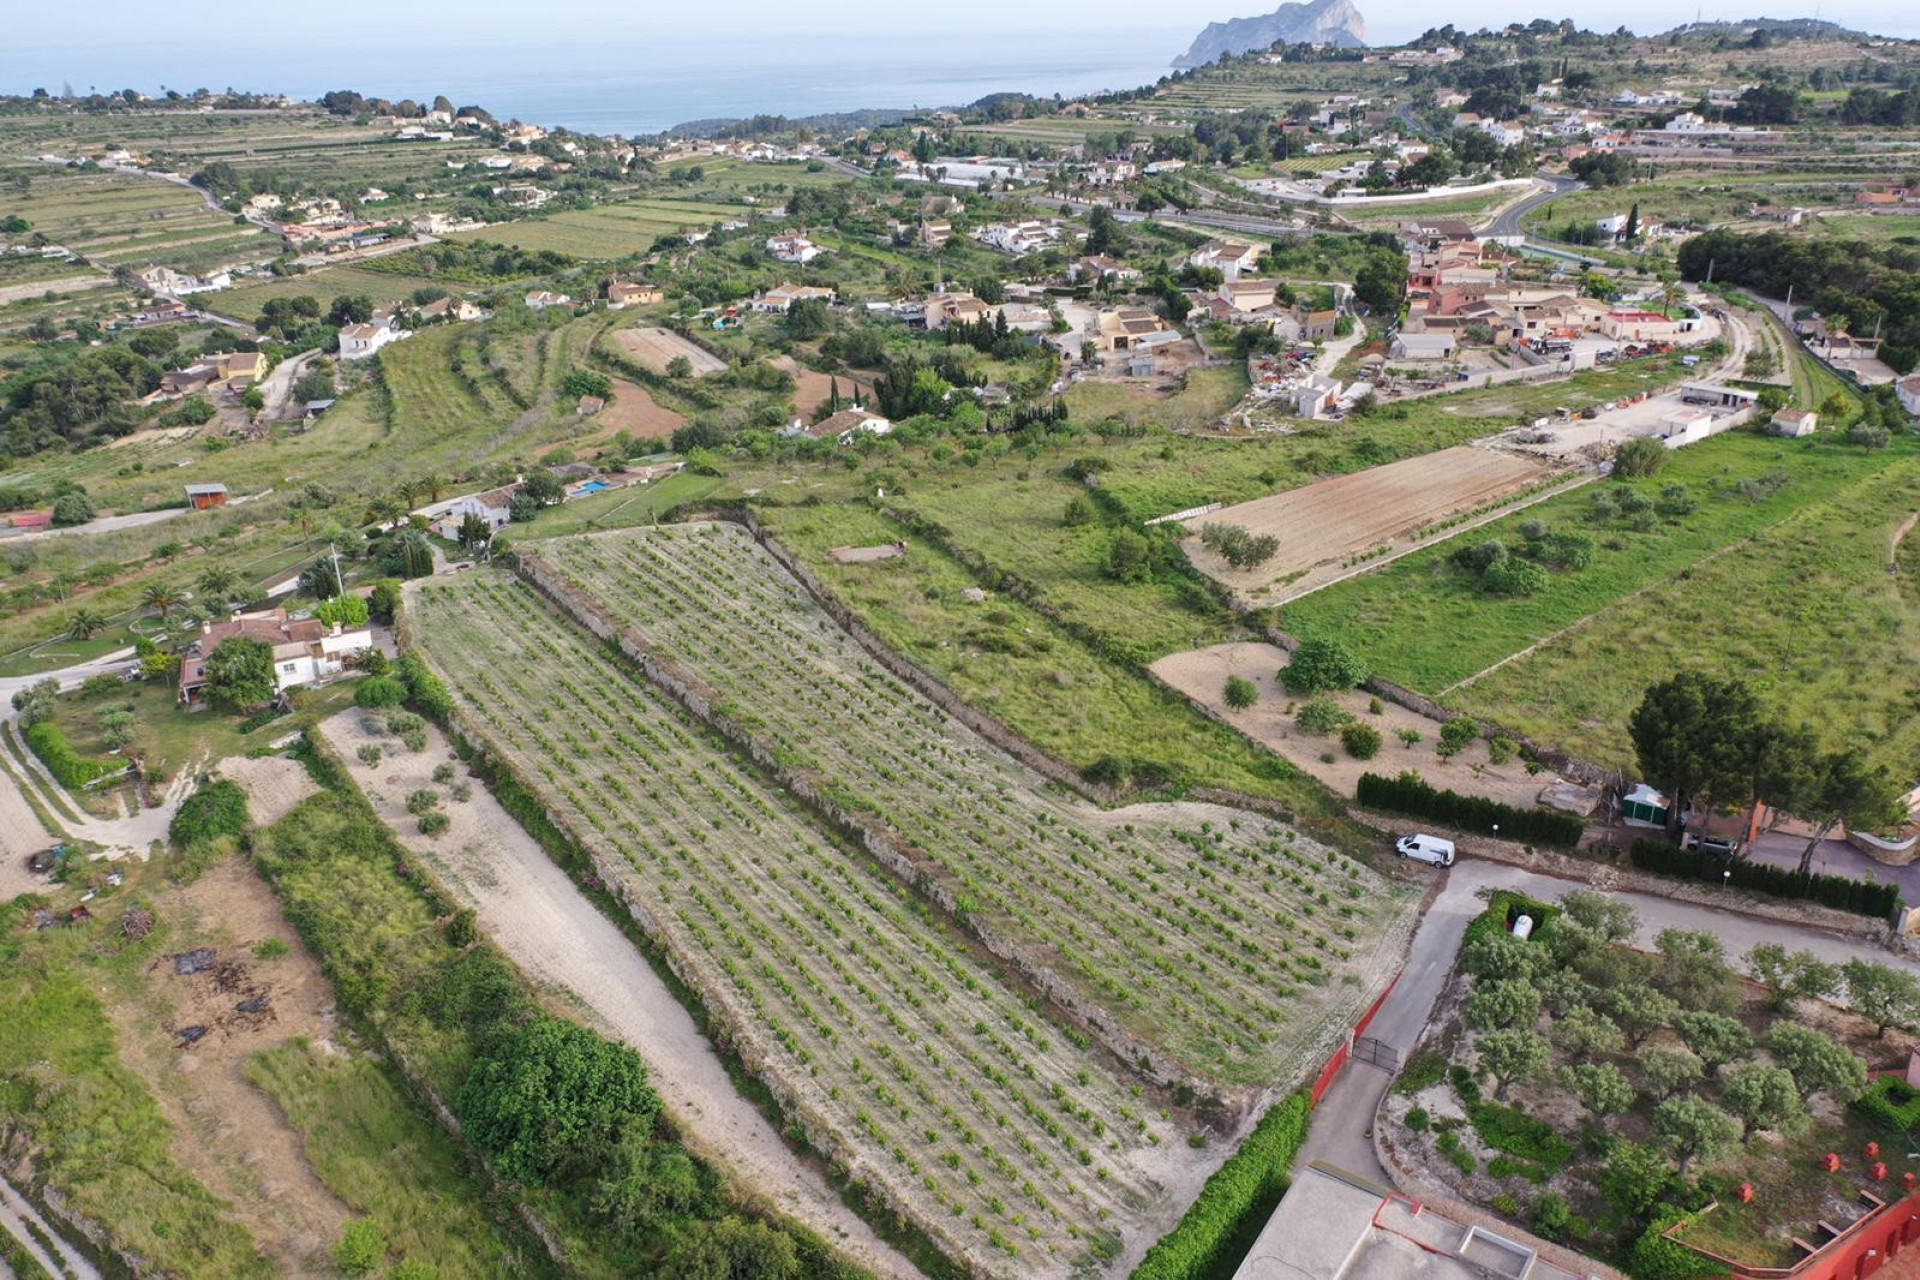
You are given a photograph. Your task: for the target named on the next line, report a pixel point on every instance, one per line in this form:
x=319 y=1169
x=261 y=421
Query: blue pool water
x=591 y=486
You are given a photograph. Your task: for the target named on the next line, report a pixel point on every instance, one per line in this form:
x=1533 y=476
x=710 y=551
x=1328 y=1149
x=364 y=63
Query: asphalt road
x=1507 y=222
x=1344 y=1116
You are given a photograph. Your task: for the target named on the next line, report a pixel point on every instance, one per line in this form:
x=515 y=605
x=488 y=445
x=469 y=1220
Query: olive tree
x=1512 y=1002
x=1762 y=1096
x=1511 y=1056
x=1668 y=1070
x=1818 y=1062
x=1695 y=1129
x=1601 y=1087
x=1885 y=996
x=1716 y=1038
x=1585 y=1033
x=1800 y=976
x=1639 y=1010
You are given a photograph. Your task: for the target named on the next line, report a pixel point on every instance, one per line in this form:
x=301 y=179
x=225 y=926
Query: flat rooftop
x=1334 y=1225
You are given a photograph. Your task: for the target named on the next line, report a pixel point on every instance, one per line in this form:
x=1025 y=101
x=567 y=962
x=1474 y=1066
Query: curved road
x=1507 y=221
x=1344 y=1117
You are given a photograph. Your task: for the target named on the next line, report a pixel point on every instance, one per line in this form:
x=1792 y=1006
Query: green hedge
x=1501 y=911
x=1410 y=793
x=1891 y=1101
x=1252 y=1179
x=72 y=769
x=1861 y=897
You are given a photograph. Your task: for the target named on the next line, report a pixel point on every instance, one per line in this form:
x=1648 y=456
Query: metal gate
x=1377 y=1052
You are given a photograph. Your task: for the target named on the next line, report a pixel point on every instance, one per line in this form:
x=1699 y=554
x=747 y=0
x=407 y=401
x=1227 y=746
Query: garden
x=1227 y=941
x=889 y=1039
x=1607 y=1097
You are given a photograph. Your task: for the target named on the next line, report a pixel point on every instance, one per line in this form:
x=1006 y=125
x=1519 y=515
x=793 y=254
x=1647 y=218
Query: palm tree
x=388 y=508
x=410 y=491
x=162 y=599
x=217 y=582
x=85 y=624
x=434 y=484
x=414 y=553
x=1672 y=294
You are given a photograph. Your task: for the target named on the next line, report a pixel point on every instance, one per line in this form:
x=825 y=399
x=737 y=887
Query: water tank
x=1523 y=928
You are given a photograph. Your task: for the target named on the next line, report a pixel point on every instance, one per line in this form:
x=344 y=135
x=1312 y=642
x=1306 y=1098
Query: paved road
x=1345 y=1115
x=1507 y=221
x=106 y=524
x=16 y=1213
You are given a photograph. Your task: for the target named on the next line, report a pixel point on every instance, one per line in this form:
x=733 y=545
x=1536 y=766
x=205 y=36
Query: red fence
x=1857 y=1252
x=1331 y=1072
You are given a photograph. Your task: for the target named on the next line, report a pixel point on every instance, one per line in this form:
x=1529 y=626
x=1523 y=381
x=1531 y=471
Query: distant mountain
x=1334 y=22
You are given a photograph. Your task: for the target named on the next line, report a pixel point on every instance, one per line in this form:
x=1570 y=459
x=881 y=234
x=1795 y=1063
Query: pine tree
x=833 y=396
x=1633 y=224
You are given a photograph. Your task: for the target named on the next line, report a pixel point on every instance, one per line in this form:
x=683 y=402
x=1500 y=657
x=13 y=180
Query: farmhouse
x=1248 y=295
x=1318 y=326
x=452 y=309
x=541 y=299
x=1230 y=258
x=305 y=650
x=1131 y=329
x=780 y=300
x=494 y=506
x=1644 y=326
x=1712 y=395
x=793 y=248
x=1020 y=238
x=621 y=295
x=848 y=423
x=359 y=341
x=944 y=309
x=205 y=497
x=1795 y=422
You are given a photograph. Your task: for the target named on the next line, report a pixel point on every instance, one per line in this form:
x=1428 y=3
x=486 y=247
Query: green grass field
x=1423 y=623
x=607 y=231
x=1806 y=611
x=245 y=300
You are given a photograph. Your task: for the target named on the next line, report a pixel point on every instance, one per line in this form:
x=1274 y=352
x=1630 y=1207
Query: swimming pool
x=591 y=486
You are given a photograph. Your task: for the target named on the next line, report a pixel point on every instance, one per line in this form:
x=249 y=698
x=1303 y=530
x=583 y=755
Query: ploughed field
x=1337 y=518
x=1213 y=940
x=886 y=1037
x=658 y=348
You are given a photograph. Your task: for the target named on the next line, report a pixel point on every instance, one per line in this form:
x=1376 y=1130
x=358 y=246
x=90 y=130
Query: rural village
x=1308 y=670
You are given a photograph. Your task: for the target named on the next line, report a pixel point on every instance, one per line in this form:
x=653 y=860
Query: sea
x=632 y=86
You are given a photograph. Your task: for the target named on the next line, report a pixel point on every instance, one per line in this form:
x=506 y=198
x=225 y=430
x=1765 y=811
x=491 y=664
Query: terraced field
x=889 y=1041
x=1222 y=943
x=116 y=220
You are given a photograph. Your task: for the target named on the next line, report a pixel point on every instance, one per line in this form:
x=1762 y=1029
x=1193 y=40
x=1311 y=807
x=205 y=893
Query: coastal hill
x=1334 y=22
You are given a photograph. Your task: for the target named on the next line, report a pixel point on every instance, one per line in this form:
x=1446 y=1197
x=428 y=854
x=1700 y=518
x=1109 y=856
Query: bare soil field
x=1202 y=675
x=635 y=412
x=529 y=907
x=811 y=390
x=229 y=1133
x=1338 y=518
x=274 y=785
x=656 y=349
x=21 y=836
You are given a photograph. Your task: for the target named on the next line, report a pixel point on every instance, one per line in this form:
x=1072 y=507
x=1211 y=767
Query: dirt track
x=534 y=913
x=1338 y=518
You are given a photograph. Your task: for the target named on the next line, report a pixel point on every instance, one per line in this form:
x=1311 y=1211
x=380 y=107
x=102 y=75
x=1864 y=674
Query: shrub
x=271 y=949
x=434 y=823
x=1512 y=576
x=426 y=692
x=1411 y=794
x=217 y=809
x=369 y=755
x=1320 y=717
x=1322 y=663
x=362 y=1247
x=380 y=691
x=1861 y=897
x=71 y=769
x=1478 y=557
x=1243 y=1188
x=1641 y=456
x=349 y=613
x=422 y=801
x=1241 y=693
x=1240 y=547
x=1418 y=1120
x=72 y=508
x=1551 y=1216
x=1511 y=1130
x=1502 y=750
x=1362 y=741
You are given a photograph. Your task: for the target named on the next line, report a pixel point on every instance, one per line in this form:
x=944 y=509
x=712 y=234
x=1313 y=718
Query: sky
x=187 y=43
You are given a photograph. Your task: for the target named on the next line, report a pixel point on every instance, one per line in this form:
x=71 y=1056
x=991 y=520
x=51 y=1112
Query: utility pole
x=339 y=583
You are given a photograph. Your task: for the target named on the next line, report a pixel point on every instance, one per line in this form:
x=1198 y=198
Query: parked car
x=1428 y=849
x=1718 y=846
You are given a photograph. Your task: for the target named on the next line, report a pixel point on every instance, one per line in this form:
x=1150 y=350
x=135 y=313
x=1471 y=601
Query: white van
x=1430 y=849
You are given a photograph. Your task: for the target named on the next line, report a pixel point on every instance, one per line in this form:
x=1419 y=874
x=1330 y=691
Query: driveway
x=1347 y=1112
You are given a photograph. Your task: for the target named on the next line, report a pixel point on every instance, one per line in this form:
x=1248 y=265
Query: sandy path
x=21 y=835
x=274 y=785
x=16 y=1213
x=535 y=914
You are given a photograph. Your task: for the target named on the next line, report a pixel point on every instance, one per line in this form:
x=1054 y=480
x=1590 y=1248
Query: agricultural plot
x=1342 y=517
x=1225 y=943
x=114 y=219
x=893 y=1046
x=607 y=231
x=658 y=348
x=1427 y=624
x=244 y=301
